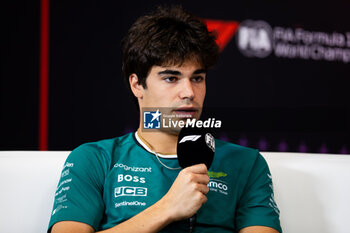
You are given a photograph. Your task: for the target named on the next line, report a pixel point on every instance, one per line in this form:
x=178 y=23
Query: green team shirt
x=105 y=183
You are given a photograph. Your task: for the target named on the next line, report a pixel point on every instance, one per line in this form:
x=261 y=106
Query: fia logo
x=209 y=139
x=151 y=119
x=255 y=38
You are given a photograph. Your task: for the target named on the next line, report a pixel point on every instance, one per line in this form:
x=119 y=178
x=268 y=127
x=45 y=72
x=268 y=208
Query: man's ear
x=136 y=88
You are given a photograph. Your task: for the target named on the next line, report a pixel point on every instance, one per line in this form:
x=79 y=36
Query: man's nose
x=186 y=91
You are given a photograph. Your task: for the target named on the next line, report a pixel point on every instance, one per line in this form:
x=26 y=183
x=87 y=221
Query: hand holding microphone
x=195 y=151
x=187 y=194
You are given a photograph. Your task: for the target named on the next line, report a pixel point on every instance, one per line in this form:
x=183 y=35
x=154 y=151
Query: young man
x=134 y=183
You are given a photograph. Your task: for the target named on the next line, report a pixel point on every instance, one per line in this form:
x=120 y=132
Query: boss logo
x=130 y=191
x=129 y=178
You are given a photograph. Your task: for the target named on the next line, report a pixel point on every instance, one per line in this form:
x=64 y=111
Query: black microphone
x=195 y=146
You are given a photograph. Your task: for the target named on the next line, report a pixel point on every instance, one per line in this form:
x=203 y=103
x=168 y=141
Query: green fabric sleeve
x=256 y=206
x=79 y=194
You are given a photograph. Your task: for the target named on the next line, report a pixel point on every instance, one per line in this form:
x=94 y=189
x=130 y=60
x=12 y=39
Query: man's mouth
x=185 y=112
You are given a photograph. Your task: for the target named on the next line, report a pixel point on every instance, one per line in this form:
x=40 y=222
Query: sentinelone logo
x=155 y=120
x=256 y=38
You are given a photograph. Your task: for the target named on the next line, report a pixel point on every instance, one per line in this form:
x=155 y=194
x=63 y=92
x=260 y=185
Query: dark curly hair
x=166 y=36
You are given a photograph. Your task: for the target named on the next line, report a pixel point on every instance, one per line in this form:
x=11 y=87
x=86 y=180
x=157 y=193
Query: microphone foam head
x=195 y=146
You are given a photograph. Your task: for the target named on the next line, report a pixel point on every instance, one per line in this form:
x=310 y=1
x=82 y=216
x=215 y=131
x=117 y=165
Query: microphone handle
x=192 y=222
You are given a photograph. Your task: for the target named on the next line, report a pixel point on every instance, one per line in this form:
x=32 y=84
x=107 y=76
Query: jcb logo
x=130 y=191
x=192 y=138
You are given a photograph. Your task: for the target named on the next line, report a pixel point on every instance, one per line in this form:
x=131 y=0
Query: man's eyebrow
x=175 y=72
x=200 y=71
x=172 y=72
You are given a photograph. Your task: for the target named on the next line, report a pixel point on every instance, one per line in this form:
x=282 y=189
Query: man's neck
x=160 y=142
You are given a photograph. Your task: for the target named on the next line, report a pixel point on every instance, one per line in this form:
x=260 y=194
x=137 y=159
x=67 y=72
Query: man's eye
x=170 y=79
x=198 y=79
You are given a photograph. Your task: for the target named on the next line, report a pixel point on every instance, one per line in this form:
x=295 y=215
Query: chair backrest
x=311 y=190
x=28 y=181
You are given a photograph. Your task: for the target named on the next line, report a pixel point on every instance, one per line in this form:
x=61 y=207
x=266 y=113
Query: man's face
x=181 y=89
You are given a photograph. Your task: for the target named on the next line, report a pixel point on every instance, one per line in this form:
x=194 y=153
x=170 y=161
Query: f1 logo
x=192 y=138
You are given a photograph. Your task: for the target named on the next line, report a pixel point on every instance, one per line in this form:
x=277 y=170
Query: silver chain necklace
x=170 y=168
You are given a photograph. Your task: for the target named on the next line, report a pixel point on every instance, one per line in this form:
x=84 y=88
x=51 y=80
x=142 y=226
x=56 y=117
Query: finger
x=196 y=178
x=203 y=198
x=204 y=189
x=199 y=199
x=202 y=179
x=198 y=168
